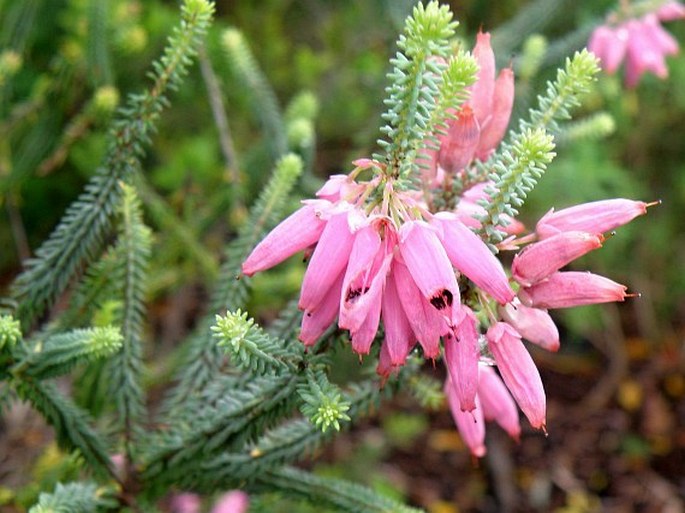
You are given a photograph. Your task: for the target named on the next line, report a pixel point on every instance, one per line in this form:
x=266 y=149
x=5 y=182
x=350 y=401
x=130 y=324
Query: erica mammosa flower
x=641 y=41
x=414 y=258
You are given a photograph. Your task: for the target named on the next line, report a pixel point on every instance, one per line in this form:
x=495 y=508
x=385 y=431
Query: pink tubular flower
x=471 y=425
x=566 y=289
x=328 y=260
x=470 y=255
x=232 y=502
x=494 y=126
x=645 y=51
x=295 y=233
x=399 y=337
x=458 y=147
x=425 y=321
x=429 y=266
x=609 y=45
x=595 y=217
x=484 y=88
x=315 y=323
x=497 y=403
x=533 y=324
x=461 y=358
x=537 y=261
x=670 y=11
x=518 y=372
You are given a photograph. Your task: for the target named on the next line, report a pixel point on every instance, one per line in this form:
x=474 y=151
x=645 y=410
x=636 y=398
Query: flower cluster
x=380 y=252
x=642 y=42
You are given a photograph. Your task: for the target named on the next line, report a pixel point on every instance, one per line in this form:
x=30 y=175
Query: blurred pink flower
x=232 y=502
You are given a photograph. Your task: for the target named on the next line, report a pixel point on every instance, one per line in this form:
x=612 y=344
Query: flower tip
x=653 y=204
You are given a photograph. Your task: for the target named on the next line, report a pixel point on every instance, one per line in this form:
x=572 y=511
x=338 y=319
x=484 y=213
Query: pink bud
x=566 y=289
x=609 y=45
x=429 y=266
x=483 y=89
x=315 y=323
x=399 y=336
x=461 y=358
x=498 y=405
x=470 y=255
x=644 y=53
x=495 y=126
x=471 y=425
x=185 y=503
x=518 y=372
x=534 y=324
x=339 y=187
x=595 y=217
x=670 y=11
x=329 y=258
x=296 y=232
x=426 y=322
x=458 y=147
x=232 y=502
x=537 y=261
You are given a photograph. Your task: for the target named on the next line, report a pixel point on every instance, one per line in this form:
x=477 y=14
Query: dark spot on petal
x=442 y=300
x=353 y=294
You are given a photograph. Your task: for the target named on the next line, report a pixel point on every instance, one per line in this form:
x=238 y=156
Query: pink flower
x=566 y=289
x=595 y=217
x=537 y=261
x=494 y=126
x=429 y=266
x=533 y=324
x=483 y=89
x=497 y=403
x=185 y=503
x=609 y=45
x=315 y=323
x=458 y=147
x=469 y=209
x=232 y=502
x=518 y=372
x=469 y=254
x=399 y=336
x=471 y=425
x=670 y=11
x=426 y=322
x=329 y=258
x=295 y=233
x=461 y=358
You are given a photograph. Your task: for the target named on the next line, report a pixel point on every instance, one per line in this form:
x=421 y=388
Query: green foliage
x=81 y=232
x=58 y=354
x=417 y=79
x=75 y=498
x=10 y=331
x=323 y=403
x=250 y=347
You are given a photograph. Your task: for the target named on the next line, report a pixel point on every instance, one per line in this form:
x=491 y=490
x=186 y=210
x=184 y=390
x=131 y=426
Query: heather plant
x=416 y=254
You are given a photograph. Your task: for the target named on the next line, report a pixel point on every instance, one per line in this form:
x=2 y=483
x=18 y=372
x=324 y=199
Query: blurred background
x=616 y=389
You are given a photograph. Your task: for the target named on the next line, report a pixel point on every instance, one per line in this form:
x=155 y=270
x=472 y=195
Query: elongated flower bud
x=315 y=323
x=571 y=288
x=595 y=217
x=429 y=266
x=495 y=126
x=399 y=337
x=461 y=358
x=483 y=89
x=296 y=232
x=469 y=254
x=518 y=372
x=471 y=425
x=497 y=403
x=458 y=147
x=328 y=260
x=537 y=261
x=533 y=324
